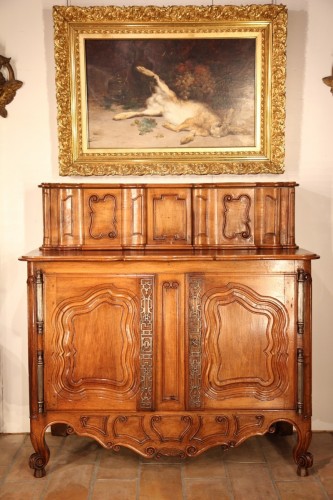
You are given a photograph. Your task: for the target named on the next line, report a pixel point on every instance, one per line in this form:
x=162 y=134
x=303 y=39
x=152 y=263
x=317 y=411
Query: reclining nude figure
x=193 y=116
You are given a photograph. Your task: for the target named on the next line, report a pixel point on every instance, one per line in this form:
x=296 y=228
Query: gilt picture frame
x=170 y=90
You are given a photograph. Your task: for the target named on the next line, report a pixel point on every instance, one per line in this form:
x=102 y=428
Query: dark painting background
x=219 y=72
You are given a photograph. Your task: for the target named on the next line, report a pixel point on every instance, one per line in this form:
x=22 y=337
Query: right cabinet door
x=242 y=341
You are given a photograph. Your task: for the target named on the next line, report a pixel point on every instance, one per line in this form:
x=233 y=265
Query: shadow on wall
x=314 y=232
x=296 y=45
x=51 y=89
x=14 y=393
x=14 y=379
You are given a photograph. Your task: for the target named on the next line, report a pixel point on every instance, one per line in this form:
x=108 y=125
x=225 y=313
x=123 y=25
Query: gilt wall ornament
x=8 y=84
x=328 y=80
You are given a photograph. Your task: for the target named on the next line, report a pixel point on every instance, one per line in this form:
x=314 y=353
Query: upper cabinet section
x=105 y=216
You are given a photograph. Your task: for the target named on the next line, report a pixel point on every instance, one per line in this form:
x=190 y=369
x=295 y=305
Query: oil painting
x=170 y=90
x=171 y=93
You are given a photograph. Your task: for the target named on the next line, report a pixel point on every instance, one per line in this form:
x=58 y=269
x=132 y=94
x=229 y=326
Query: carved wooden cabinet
x=169 y=319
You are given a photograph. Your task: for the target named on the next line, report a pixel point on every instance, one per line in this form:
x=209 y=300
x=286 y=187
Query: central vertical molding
x=171 y=341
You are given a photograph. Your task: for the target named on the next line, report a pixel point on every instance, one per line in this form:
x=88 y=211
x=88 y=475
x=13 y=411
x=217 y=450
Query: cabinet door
x=242 y=351
x=98 y=341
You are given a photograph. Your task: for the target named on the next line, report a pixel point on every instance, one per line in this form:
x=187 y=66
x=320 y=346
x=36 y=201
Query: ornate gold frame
x=267 y=24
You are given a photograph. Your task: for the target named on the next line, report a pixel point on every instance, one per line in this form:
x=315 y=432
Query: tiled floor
x=261 y=468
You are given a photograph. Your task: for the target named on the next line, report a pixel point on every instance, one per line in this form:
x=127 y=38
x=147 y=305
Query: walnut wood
x=234 y=215
x=171 y=351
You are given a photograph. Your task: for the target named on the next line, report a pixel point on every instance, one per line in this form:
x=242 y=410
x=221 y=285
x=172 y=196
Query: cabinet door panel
x=94 y=340
x=247 y=355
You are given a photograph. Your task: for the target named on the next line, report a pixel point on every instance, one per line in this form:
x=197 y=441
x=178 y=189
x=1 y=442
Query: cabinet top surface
x=64 y=185
x=169 y=255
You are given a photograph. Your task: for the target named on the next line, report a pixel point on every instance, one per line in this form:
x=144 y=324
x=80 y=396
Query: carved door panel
x=242 y=351
x=98 y=341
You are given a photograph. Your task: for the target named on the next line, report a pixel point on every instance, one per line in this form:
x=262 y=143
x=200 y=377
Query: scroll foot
x=304 y=462
x=37 y=463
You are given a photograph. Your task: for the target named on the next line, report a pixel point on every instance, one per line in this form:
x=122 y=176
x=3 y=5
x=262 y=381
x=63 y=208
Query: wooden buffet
x=169 y=318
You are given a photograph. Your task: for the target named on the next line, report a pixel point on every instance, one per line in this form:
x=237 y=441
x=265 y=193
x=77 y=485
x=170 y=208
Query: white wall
x=28 y=156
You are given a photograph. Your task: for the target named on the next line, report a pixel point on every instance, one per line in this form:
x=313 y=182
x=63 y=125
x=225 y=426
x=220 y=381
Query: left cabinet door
x=98 y=349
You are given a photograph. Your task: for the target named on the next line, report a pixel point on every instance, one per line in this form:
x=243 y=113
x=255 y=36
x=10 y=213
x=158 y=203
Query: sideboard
x=169 y=318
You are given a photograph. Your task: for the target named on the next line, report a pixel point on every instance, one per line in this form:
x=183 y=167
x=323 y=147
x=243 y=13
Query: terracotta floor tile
x=278 y=452
x=287 y=471
x=20 y=470
x=73 y=491
x=249 y=451
x=295 y=490
x=160 y=482
x=251 y=481
x=9 y=445
x=324 y=471
x=115 y=489
x=53 y=441
x=278 y=448
x=80 y=469
x=20 y=491
x=321 y=446
x=162 y=460
x=3 y=471
x=76 y=451
x=207 y=489
x=70 y=482
x=209 y=464
x=78 y=443
x=123 y=465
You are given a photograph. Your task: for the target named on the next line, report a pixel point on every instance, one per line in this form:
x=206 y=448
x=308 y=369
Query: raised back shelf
x=114 y=216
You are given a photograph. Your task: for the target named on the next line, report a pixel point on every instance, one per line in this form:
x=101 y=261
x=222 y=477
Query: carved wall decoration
x=328 y=80
x=8 y=84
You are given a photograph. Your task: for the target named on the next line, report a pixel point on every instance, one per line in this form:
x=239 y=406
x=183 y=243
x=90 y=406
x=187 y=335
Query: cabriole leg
x=302 y=457
x=40 y=458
